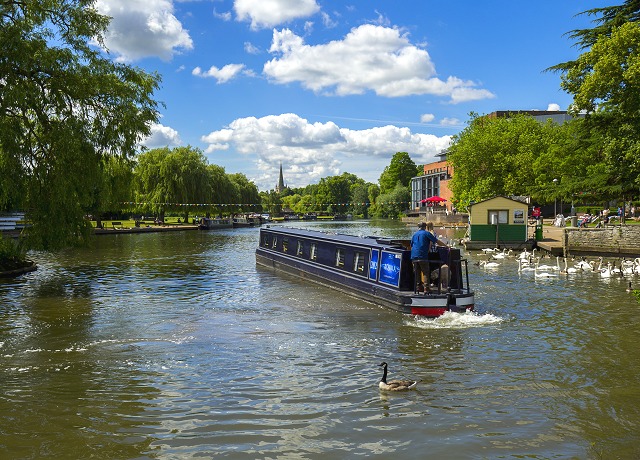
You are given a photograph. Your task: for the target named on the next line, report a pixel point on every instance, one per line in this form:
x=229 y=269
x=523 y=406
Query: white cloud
x=378 y=58
x=162 y=136
x=143 y=28
x=311 y=151
x=270 y=13
x=450 y=122
x=553 y=107
x=427 y=118
x=226 y=16
x=250 y=48
x=222 y=75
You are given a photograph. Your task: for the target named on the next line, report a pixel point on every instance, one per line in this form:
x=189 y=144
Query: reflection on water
x=176 y=346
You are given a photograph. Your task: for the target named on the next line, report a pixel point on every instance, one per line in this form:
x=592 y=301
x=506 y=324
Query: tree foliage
x=605 y=84
x=400 y=170
x=520 y=156
x=63 y=109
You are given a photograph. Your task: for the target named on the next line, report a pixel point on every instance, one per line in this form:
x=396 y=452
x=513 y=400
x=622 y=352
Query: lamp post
x=555 y=201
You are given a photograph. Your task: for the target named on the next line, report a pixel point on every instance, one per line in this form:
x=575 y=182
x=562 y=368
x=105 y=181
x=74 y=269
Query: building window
x=358 y=262
x=498 y=217
x=313 y=255
x=299 y=249
x=339 y=257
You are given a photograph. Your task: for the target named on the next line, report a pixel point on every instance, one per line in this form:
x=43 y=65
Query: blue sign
x=373 y=265
x=390 y=268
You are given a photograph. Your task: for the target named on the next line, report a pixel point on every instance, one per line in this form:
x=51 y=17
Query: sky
x=327 y=87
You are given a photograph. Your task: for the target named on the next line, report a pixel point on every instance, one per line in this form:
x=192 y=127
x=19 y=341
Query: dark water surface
x=175 y=346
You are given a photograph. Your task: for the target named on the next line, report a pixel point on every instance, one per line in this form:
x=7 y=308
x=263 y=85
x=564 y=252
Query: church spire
x=280 y=187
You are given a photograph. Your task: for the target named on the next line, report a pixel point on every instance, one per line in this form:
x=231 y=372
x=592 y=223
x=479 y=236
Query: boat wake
x=451 y=320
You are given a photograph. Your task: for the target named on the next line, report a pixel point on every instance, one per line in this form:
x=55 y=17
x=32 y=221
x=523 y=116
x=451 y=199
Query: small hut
x=498 y=222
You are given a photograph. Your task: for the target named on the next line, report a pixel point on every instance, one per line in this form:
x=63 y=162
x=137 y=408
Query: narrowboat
x=378 y=270
x=215 y=223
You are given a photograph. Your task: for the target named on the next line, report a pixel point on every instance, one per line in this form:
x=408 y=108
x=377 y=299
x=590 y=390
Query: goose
x=394 y=385
x=489 y=250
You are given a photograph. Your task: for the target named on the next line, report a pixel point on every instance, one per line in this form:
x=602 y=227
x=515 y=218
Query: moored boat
x=378 y=270
x=215 y=223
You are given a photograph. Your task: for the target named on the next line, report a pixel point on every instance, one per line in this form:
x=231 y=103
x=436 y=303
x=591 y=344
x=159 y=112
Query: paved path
x=552 y=240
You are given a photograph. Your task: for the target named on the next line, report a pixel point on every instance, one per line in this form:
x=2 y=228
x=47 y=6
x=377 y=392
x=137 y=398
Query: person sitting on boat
x=420 y=247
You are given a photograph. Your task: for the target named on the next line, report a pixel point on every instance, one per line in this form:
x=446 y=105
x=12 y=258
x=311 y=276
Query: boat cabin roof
x=369 y=241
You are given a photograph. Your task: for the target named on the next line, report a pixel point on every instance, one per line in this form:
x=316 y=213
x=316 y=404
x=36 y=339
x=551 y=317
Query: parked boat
x=244 y=221
x=378 y=270
x=215 y=223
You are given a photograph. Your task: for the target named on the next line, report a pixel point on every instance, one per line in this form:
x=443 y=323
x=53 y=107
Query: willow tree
x=172 y=179
x=64 y=107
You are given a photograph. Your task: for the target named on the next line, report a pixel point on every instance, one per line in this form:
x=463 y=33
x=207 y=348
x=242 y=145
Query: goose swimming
x=394 y=385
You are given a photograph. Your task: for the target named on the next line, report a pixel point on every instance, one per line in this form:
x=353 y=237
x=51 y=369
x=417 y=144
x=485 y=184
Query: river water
x=176 y=346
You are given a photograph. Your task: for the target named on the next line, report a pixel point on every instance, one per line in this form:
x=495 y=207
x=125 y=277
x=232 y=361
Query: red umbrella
x=433 y=199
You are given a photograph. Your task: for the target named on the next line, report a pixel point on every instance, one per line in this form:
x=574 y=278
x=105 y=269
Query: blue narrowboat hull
x=375 y=270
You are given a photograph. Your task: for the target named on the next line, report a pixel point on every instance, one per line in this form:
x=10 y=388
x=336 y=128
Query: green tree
x=508 y=156
x=394 y=203
x=605 y=85
x=169 y=179
x=400 y=170
x=271 y=202
x=605 y=82
x=334 y=192
x=63 y=108
x=360 y=199
x=248 y=196
x=223 y=190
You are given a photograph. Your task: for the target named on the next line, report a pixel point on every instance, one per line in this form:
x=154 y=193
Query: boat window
x=358 y=262
x=339 y=257
x=313 y=255
x=275 y=241
x=285 y=245
x=300 y=248
x=265 y=240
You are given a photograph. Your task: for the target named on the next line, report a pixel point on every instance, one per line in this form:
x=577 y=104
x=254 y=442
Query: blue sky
x=327 y=87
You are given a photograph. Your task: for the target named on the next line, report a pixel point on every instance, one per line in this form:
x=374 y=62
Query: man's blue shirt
x=420 y=244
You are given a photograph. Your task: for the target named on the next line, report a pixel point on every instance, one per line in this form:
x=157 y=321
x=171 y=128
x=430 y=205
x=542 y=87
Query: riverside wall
x=620 y=240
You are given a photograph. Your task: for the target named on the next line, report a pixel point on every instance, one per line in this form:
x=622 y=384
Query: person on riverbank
x=421 y=243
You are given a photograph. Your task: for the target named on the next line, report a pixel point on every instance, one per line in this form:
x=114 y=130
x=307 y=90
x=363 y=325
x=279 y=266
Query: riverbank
x=614 y=240
x=146 y=229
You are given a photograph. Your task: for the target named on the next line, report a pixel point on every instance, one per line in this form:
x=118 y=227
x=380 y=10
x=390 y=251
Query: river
x=176 y=346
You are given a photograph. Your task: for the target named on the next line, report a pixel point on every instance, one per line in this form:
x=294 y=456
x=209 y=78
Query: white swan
x=487 y=264
x=583 y=265
x=394 y=385
x=502 y=255
x=543 y=274
x=524 y=266
x=544 y=266
x=568 y=270
x=606 y=272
